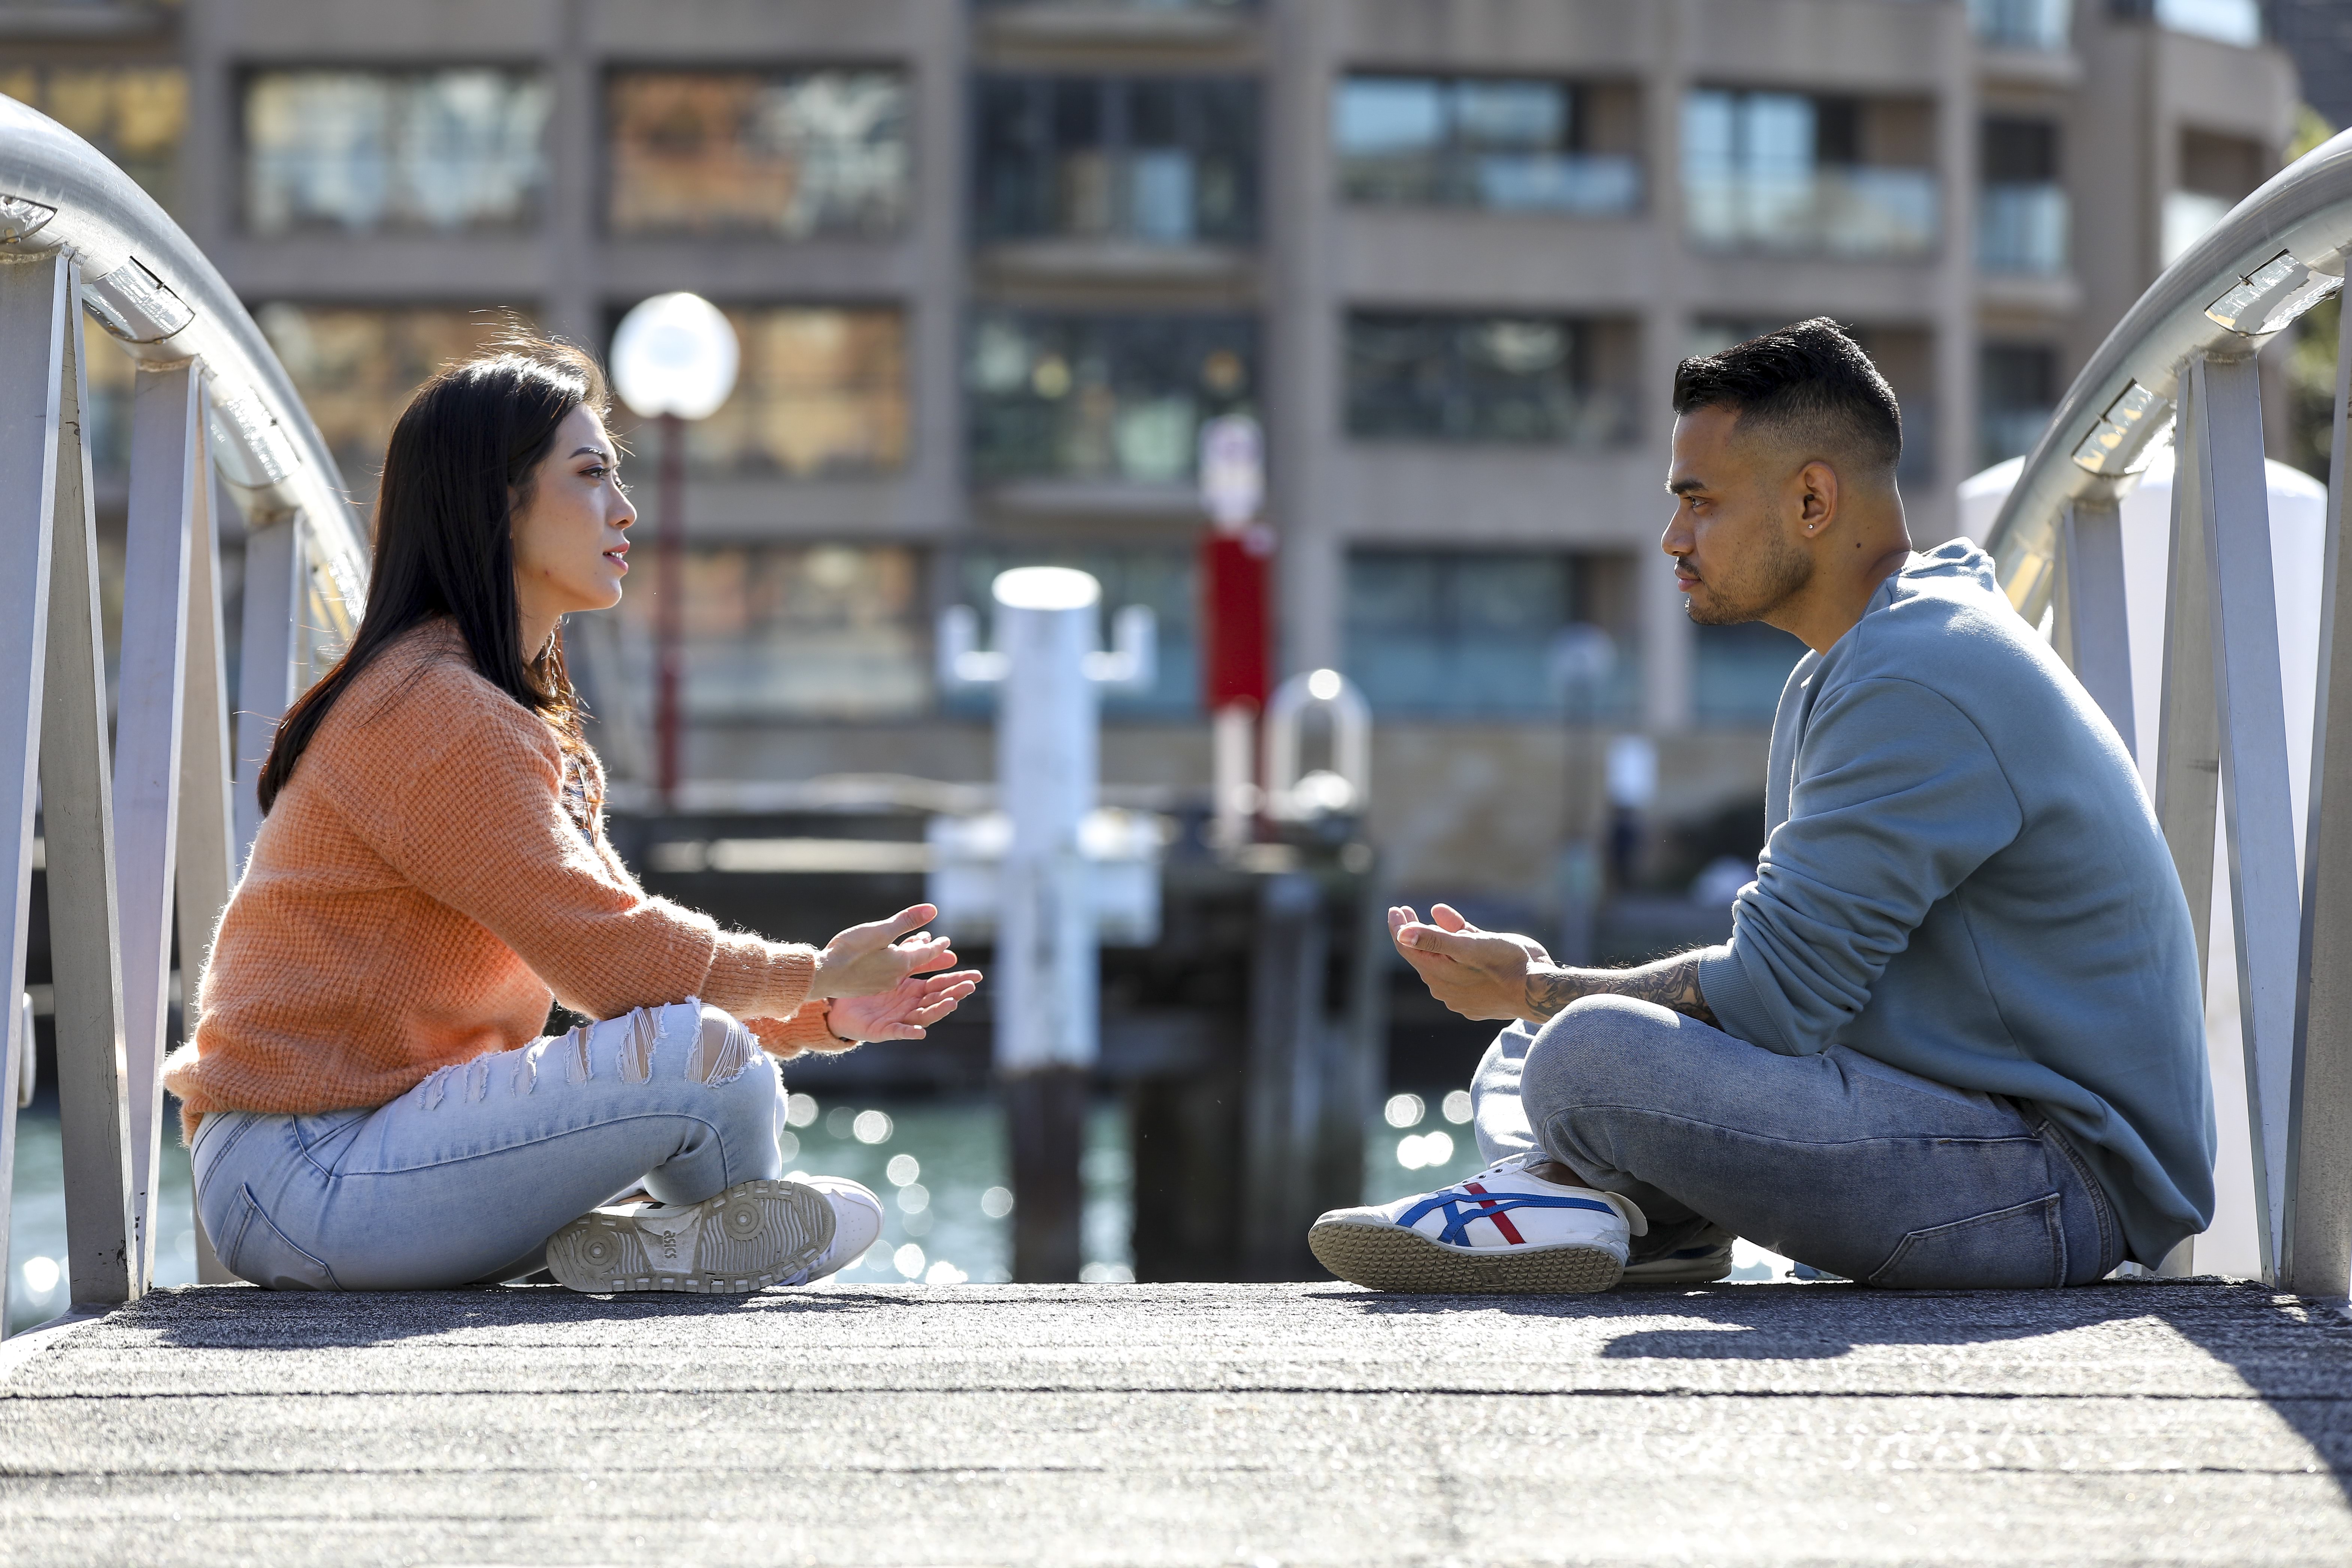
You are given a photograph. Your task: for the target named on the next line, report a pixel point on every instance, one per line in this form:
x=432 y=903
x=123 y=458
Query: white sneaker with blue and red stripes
x=1503 y=1229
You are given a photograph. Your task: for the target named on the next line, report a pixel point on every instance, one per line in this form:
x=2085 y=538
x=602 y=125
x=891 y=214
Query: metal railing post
x=2233 y=489
x=265 y=679
x=2315 y=1252
x=77 y=810
x=2099 y=623
x=166 y=439
x=35 y=316
x=2189 y=727
x=206 y=863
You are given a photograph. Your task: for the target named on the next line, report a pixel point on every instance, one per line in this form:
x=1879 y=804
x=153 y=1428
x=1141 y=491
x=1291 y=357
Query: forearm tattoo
x=1670 y=982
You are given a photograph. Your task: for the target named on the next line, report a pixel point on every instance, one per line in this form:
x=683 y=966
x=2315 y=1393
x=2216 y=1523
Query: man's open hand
x=868 y=960
x=1477 y=973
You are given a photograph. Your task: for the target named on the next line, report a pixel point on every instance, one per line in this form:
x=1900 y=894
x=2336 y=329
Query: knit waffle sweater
x=418 y=893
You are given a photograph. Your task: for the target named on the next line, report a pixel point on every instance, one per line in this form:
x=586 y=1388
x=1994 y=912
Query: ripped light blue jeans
x=463 y=1179
x=1838 y=1160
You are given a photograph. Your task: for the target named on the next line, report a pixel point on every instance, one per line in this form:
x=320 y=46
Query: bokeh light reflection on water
x=953 y=1208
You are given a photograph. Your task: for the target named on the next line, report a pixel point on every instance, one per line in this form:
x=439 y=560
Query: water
x=36 y=1231
x=940 y=1165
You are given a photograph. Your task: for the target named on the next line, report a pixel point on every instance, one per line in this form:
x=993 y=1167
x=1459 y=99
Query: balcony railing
x=2182 y=360
x=144 y=835
x=2045 y=25
x=1853 y=211
x=2022 y=229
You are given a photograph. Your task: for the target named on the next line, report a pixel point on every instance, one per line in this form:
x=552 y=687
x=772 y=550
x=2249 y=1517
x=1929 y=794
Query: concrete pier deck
x=2157 y=1422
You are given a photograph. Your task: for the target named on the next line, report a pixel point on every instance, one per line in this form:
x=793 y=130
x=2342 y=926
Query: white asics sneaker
x=1502 y=1230
x=857 y=1223
x=747 y=1238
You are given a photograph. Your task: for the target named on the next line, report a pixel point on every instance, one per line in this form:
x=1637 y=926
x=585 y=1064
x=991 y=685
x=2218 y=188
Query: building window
x=135 y=115
x=2042 y=25
x=1537 y=379
x=2217 y=172
x=1102 y=396
x=2021 y=212
x=1905 y=356
x=1165 y=581
x=764 y=152
x=1511 y=144
x=357 y=366
x=369 y=150
x=1153 y=160
x=799 y=632
x=1485 y=634
x=1739 y=671
x=2017 y=390
x=2238 y=22
x=1801 y=175
x=821 y=392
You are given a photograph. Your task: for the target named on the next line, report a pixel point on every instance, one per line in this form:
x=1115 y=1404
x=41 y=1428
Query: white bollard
x=1047 y=740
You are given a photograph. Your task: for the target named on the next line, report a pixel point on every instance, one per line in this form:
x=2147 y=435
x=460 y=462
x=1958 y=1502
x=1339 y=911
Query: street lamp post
x=674 y=359
x=669 y=588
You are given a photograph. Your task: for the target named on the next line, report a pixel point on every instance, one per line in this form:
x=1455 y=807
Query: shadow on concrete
x=234 y=1318
x=2295 y=1354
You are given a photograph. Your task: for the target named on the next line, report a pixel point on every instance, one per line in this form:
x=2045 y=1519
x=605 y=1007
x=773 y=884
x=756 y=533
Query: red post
x=1237 y=667
x=669 y=589
x=1236 y=671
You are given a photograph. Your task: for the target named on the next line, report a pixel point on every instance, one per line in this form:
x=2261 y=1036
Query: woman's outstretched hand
x=906 y=1010
x=870 y=959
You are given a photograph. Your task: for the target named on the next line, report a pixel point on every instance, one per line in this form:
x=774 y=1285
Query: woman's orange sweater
x=418 y=891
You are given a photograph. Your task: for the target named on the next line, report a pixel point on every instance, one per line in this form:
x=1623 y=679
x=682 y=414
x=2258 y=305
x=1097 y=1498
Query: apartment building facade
x=992 y=263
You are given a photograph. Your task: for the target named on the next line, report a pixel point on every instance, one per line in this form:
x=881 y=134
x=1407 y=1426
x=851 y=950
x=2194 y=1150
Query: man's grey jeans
x=1837 y=1160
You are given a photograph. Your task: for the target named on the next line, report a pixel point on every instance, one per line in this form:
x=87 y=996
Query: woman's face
x=570 y=546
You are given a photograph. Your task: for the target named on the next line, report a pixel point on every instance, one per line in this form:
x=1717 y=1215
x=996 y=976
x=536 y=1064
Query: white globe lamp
x=675 y=355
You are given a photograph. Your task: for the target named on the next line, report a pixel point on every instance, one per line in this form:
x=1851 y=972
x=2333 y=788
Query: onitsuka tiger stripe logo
x=1492 y=1207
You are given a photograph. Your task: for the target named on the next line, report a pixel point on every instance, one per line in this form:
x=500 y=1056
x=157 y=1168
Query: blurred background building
x=993 y=262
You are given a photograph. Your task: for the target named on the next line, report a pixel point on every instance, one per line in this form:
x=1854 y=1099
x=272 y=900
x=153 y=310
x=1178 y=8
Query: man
x=1955 y=1038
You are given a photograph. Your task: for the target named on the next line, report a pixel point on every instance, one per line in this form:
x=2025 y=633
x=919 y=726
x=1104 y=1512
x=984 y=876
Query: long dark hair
x=463 y=454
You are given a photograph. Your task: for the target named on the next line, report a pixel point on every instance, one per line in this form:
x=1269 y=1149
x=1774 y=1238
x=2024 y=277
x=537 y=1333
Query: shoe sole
x=747 y=1238
x=1389 y=1258
x=1668 y=1271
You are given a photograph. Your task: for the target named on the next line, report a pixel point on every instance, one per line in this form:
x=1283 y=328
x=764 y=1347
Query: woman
x=367 y=1105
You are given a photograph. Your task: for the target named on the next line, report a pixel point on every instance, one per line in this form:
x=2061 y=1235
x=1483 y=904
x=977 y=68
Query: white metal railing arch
x=150 y=837
x=2182 y=361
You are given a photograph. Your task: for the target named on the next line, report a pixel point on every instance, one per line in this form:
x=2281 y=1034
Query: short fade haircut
x=1810 y=383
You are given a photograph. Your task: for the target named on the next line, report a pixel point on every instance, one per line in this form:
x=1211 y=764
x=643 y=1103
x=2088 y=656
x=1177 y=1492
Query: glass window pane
x=360 y=150
x=1785 y=172
x=1382 y=115
x=823 y=631
x=1167 y=160
x=1740 y=671
x=789 y=154
x=1527 y=115
x=1500 y=142
x=1478 y=635
x=821 y=390
x=357 y=366
x=1101 y=396
x=135 y=115
x=1475 y=378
